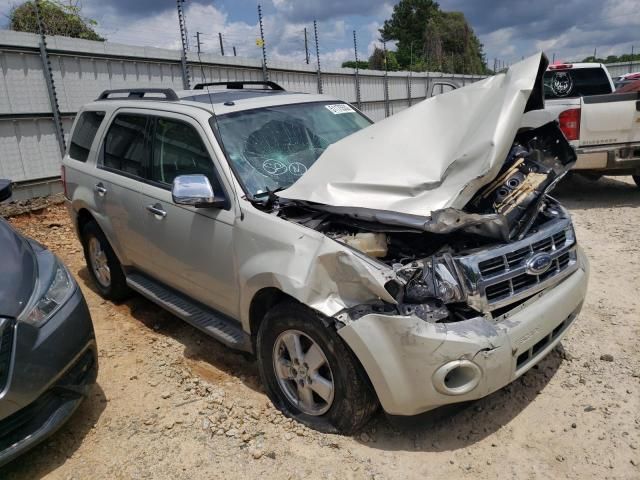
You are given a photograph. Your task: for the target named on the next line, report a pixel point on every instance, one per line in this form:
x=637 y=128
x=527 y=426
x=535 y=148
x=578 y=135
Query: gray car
x=411 y=263
x=48 y=356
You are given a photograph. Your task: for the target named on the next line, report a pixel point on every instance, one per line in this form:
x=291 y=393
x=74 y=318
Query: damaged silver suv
x=412 y=263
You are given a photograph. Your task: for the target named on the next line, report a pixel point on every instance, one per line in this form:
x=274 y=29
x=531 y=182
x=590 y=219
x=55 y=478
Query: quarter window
x=83 y=135
x=126 y=148
x=178 y=150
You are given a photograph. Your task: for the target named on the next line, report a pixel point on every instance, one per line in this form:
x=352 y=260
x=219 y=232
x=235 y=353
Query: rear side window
x=178 y=150
x=580 y=82
x=126 y=147
x=83 y=135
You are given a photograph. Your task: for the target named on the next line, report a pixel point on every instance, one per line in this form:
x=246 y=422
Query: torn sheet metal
x=434 y=155
x=310 y=267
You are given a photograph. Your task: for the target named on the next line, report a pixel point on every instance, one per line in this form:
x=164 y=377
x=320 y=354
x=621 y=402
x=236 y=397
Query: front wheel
x=310 y=374
x=103 y=264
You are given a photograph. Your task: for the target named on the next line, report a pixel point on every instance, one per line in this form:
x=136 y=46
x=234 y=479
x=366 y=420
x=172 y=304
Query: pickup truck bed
x=609 y=133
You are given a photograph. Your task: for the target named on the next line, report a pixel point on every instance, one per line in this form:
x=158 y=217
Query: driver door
x=191 y=248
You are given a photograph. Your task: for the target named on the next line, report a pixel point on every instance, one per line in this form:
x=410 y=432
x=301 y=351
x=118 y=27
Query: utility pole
x=221 y=44
x=265 y=71
x=409 y=79
x=306 y=46
x=198 y=42
x=315 y=32
x=553 y=58
x=183 y=37
x=48 y=76
x=386 y=80
x=355 y=49
x=631 y=61
x=234 y=51
x=595 y=50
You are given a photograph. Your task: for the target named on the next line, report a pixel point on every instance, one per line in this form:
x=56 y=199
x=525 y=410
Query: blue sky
x=509 y=29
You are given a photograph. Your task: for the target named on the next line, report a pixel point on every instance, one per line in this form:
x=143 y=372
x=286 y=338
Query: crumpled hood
x=434 y=155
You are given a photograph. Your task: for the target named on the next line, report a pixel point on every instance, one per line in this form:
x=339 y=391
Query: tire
x=636 y=178
x=352 y=402
x=105 y=270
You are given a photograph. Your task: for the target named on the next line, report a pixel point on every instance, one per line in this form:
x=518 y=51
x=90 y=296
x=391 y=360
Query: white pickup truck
x=602 y=126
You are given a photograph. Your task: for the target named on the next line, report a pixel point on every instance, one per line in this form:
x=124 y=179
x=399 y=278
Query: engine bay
x=421 y=250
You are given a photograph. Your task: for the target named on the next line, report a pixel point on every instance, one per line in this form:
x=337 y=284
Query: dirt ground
x=172 y=403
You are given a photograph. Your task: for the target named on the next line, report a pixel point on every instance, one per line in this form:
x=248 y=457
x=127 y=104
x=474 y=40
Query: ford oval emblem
x=538 y=264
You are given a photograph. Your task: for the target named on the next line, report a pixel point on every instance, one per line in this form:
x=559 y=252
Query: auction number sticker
x=340 y=108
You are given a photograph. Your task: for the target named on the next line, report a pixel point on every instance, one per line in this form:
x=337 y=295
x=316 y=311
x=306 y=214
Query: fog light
x=457 y=377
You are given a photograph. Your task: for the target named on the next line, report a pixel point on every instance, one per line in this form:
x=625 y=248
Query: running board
x=217 y=325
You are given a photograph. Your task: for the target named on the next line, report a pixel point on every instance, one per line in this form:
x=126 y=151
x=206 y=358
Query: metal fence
x=81 y=69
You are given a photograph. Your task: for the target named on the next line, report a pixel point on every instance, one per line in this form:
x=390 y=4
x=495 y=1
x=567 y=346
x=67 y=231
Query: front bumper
x=405 y=356
x=52 y=369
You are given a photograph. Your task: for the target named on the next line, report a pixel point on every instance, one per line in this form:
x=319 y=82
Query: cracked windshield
x=270 y=148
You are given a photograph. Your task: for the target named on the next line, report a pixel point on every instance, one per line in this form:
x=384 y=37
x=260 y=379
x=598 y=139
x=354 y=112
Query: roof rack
x=238 y=85
x=139 y=94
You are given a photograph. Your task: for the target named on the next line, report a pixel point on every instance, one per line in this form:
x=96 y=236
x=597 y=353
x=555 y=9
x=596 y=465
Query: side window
x=126 y=148
x=83 y=135
x=178 y=150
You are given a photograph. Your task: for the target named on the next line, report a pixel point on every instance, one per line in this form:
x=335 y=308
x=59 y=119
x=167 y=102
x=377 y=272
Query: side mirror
x=195 y=191
x=5 y=190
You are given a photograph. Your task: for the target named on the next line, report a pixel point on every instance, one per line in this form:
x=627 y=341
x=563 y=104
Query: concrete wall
x=82 y=69
x=617 y=69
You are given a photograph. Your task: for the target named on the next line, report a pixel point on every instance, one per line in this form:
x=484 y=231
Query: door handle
x=157 y=210
x=100 y=190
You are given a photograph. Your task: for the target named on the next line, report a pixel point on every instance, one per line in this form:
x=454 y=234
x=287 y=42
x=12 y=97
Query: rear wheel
x=310 y=374
x=103 y=264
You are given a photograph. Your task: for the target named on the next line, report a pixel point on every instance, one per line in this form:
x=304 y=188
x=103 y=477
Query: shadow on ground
x=53 y=452
x=459 y=426
x=579 y=193
x=209 y=359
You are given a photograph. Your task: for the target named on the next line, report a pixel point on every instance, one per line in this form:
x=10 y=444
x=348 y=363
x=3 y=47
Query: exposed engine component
x=372 y=244
x=532 y=169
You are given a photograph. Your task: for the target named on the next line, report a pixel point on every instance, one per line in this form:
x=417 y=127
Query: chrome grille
x=498 y=277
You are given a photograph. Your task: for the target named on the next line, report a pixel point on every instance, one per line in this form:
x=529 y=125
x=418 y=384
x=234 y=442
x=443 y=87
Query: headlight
x=433 y=278
x=58 y=292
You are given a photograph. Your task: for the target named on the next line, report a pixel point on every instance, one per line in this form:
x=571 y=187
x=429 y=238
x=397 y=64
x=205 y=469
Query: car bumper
x=625 y=159
x=52 y=369
x=416 y=366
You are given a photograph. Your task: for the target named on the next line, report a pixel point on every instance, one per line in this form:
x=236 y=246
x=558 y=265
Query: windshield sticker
x=561 y=84
x=273 y=167
x=340 y=108
x=298 y=169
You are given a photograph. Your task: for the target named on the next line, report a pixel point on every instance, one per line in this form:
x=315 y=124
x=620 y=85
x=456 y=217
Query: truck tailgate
x=610 y=119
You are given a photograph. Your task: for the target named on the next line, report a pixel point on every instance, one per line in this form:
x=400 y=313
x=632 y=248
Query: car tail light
x=570 y=123
x=63 y=176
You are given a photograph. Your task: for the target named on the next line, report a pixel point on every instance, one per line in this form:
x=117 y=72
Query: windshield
x=270 y=148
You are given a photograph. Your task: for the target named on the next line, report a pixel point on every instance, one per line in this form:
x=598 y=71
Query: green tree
x=362 y=65
x=58 y=18
x=626 y=57
x=378 y=60
x=452 y=46
x=428 y=38
x=407 y=27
